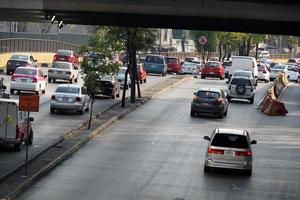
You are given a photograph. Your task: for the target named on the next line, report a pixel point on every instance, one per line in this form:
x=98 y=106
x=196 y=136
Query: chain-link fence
x=34 y=45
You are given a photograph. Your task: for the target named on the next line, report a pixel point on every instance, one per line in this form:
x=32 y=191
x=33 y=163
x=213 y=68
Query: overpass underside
x=267 y=16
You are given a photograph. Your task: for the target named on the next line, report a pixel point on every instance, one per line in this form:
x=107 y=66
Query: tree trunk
x=256 y=51
x=134 y=73
x=91 y=112
x=220 y=51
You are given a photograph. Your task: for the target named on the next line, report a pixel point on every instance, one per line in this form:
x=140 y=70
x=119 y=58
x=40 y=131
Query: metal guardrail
x=34 y=45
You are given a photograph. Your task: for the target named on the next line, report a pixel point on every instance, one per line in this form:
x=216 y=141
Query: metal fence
x=34 y=45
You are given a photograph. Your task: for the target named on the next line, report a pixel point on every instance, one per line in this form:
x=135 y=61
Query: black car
x=19 y=60
x=109 y=86
x=209 y=101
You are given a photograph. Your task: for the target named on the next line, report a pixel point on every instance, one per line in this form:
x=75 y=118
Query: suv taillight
x=220 y=101
x=243 y=153
x=215 y=151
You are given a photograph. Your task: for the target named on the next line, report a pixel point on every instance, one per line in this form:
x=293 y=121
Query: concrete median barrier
x=271 y=105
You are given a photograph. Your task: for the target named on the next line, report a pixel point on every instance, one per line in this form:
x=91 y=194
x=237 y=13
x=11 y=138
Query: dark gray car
x=209 y=101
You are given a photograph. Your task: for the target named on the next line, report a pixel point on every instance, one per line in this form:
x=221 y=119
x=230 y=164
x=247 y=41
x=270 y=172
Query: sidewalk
x=291 y=99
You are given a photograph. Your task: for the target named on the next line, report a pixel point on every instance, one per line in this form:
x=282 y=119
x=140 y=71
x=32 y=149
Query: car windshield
x=72 y=90
x=64 y=53
x=61 y=65
x=241 y=73
x=171 y=60
x=279 y=67
x=189 y=65
x=19 y=57
x=226 y=64
x=154 y=59
x=208 y=94
x=240 y=81
x=230 y=140
x=31 y=72
x=190 y=59
x=211 y=64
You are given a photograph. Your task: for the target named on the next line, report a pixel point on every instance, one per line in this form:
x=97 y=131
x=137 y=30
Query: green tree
x=107 y=44
x=229 y=42
x=292 y=42
x=133 y=40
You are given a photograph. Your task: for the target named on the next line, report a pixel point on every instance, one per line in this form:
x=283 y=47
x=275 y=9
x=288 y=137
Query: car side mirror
x=253 y=142
x=206 y=138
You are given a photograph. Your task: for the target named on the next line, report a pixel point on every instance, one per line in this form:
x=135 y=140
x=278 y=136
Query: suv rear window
x=240 y=81
x=154 y=59
x=171 y=60
x=31 y=72
x=61 y=65
x=64 y=53
x=208 y=94
x=72 y=90
x=230 y=140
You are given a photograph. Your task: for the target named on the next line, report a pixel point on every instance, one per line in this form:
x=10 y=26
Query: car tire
x=49 y=80
x=52 y=110
x=30 y=138
x=225 y=113
x=248 y=172
x=7 y=73
x=202 y=77
x=71 y=81
x=251 y=100
x=141 y=82
x=193 y=113
x=229 y=99
x=113 y=95
x=12 y=91
x=81 y=111
x=18 y=147
x=221 y=115
x=76 y=80
x=37 y=92
x=206 y=169
x=145 y=80
x=44 y=91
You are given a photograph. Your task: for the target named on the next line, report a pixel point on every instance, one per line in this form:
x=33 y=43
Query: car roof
x=36 y=68
x=230 y=131
x=27 y=54
x=62 y=62
x=210 y=89
x=69 y=85
x=241 y=70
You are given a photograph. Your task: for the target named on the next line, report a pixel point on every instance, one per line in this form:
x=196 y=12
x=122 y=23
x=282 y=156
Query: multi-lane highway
x=157 y=152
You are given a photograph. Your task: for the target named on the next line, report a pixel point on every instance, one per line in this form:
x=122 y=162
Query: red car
x=213 y=69
x=173 y=64
x=142 y=74
x=67 y=56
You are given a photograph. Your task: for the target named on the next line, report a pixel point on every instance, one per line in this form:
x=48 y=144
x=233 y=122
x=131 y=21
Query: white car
x=69 y=97
x=190 y=68
x=241 y=87
x=28 y=79
x=263 y=73
x=292 y=73
x=63 y=71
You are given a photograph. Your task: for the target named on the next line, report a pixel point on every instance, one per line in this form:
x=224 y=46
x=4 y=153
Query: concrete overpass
x=259 y=16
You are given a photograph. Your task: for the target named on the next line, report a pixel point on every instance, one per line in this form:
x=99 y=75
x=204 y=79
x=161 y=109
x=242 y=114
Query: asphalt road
x=157 y=152
x=49 y=127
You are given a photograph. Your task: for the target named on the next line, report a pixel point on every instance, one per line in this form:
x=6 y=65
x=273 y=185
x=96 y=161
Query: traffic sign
x=202 y=40
x=29 y=103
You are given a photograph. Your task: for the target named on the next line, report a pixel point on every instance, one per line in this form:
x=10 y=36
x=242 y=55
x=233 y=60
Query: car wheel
x=81 y=111
x=229 y=99
x=76 y=80
x=252 y=100
x=113 y=96
x=18 y=146
x=248 y=172
x=202 y=77
x=145 y=80
x=225 y=113
x=193 y=113
x=30 y=138
x=220 y=115
x=206 y=169
x=7 y=73
x=37 y=92
x=44 y=91
x=52 y=110
x=141 y=82
x=49 y=80
x=12 y=91
x=71 y=81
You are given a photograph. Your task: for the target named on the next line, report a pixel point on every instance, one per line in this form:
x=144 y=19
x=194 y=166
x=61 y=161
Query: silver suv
x=241 y=87
x=230 y=149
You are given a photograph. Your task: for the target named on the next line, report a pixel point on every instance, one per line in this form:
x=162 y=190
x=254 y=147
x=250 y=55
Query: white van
x=244 y=63
x=13 y=124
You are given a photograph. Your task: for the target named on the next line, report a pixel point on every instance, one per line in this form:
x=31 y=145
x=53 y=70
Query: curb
x=65 y=155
